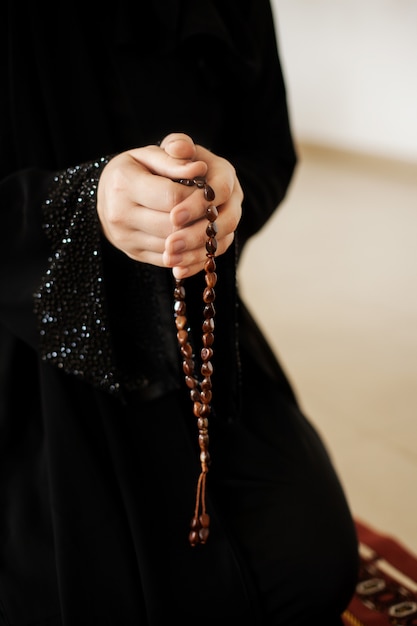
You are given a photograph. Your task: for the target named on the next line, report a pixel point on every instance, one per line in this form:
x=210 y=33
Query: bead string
x=200 y=391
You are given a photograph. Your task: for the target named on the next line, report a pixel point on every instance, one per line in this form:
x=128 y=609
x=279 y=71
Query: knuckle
x=225 y=190
x=114 y=215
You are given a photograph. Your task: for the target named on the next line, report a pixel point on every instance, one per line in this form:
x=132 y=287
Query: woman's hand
x=153 y=219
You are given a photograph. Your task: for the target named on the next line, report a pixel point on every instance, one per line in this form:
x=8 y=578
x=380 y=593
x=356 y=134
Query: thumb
x=179 y=146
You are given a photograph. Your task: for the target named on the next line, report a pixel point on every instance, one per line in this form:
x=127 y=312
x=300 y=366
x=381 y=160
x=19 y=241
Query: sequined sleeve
x=70 y=302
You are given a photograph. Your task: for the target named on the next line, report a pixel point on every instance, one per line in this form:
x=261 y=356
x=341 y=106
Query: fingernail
x=178 y=246
x=182 y=217
x=175 y=259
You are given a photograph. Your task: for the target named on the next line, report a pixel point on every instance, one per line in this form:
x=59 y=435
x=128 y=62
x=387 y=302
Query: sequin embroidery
x=69 y=303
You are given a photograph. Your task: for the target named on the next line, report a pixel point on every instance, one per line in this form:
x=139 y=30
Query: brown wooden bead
x=209 y=193
x=202 y=422
x=191 y=382
x=211 y=279
x=206 y=384
x=203 y=440
x=180 y=307
x=180 y=321
x=205 y=457
x=206 y=396
x=212 y=213
x=211 y=230
x=209 y=310
x=203 y=535
x=179 y=292
x=186 y=351
x=185 y=181
x=194 y=538
x=204 y=520
x=211 y=245
x=206 y=353
x=209 y=295
x=210 y=264
x=205 y=410
x=208 y=325
x=195 y=395
x=208 y=339
x=207 y=369
x=197 y=406
x=188 y=366
x=182 y=336
x=200 y=181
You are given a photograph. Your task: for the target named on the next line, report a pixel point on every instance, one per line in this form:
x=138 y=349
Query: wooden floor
x=332 y=280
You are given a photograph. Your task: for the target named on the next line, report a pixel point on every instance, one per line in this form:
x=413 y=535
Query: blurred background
x=332 y=277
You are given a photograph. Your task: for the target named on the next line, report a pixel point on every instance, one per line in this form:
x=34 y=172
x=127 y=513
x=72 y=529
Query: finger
x=195 y=205
x=187 y=247
x=146 y=256
x=221 y=174
x=131 y=237
x=138 y=219
x=223 y=180
x=179 y=146
x=190 y=209
x=194 y=208
x=132 y=181
x=160 y=162
x=194 y=266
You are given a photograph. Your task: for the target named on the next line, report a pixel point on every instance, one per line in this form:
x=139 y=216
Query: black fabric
x=97 y=489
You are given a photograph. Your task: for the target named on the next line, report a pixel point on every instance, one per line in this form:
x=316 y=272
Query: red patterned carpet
x=386 y=594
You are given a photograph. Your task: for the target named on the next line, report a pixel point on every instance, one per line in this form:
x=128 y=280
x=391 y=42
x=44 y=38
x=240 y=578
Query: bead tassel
x=200 y=392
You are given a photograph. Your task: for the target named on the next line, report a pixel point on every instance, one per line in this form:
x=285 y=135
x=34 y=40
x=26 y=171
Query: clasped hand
x=155 y=220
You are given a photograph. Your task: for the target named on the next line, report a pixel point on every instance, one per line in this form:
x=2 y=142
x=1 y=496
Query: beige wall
x=351 y=70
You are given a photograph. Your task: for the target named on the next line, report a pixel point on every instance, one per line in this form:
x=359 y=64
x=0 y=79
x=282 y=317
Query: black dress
x=98 y=444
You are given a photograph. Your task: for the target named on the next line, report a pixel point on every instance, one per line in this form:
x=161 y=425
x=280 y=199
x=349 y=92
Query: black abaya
x=98 y=445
